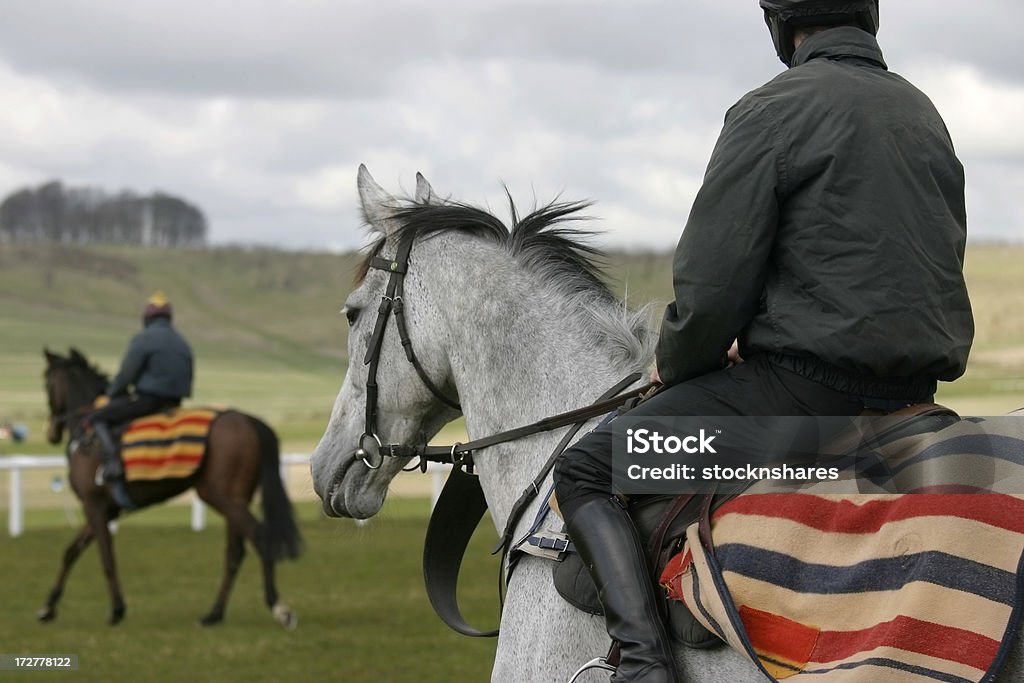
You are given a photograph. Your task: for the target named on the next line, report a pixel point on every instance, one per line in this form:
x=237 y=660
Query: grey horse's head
x=406 y=411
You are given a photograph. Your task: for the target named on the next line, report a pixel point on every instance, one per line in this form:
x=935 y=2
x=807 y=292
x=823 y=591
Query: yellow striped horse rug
x=166 y=445
x=838 y=587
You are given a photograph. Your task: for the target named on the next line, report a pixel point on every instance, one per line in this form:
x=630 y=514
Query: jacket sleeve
x=131 y=367
x=720 y=262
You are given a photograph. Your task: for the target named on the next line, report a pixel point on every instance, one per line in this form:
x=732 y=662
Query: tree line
x=84 y=215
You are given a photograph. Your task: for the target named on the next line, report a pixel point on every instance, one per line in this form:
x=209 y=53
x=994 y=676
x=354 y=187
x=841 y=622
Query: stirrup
x=595 y=663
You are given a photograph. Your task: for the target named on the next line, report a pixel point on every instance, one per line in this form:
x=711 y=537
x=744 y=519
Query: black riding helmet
x=782 y=16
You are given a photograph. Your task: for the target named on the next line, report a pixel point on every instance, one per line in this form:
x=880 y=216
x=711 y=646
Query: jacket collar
x=837 y=43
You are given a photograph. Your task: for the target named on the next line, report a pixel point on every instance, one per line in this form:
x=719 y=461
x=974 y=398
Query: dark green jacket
x=158 y=362
x=830 y=229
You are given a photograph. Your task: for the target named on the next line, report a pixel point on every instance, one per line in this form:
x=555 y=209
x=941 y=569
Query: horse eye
x=351 y=313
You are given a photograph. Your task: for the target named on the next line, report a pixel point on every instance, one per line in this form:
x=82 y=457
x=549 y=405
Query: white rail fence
x=16 y=464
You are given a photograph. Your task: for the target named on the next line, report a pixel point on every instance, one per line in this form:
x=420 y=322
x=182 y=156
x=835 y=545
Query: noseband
x=391 y=302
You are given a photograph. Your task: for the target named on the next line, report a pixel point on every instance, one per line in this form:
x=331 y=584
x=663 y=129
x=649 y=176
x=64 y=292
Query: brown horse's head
x=71 y=384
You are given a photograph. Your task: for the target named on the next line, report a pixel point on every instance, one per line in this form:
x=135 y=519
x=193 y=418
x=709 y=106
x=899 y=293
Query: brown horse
x=242 y=453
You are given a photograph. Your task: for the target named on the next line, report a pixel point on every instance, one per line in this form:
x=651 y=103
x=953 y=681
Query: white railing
x=15 y=464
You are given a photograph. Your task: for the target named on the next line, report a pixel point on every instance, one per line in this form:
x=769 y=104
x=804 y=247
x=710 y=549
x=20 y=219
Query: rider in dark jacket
x=830 y=229
x=828 y=239
x=158 y=365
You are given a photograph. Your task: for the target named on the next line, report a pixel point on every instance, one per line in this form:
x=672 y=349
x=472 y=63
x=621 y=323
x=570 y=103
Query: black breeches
x=754 y=388
x=123 y=409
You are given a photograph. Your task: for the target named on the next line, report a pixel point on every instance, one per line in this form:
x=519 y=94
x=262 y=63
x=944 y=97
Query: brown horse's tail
x=280 y=532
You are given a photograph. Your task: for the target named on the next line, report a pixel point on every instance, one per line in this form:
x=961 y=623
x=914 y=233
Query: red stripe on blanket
x=842 y=516
x=779 y=638
x=912 y=635
x=168 y=424
x=159 y=462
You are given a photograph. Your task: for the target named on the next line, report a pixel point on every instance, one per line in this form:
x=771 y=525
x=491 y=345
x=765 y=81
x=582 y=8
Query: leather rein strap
x=462 y=505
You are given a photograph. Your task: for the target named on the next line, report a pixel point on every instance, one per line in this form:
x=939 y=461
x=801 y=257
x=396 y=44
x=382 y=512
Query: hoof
x=116 y=617
x=46 y=614
x=285 y=616
x=212 y=619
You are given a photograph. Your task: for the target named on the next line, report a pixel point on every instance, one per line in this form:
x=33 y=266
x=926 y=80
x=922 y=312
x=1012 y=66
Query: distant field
x=269 y=339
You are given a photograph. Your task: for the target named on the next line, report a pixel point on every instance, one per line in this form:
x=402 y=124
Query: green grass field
x=363 y=615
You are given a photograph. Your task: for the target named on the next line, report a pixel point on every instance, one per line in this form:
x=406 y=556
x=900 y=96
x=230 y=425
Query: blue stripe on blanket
x=158 y=443
x=893 y=664
x=941 y=569
x=990 y=445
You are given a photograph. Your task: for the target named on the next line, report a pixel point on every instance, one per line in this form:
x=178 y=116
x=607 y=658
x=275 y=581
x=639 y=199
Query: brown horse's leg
x=98 y=515
x=73 y=552
x=239 y=517
x=243 y=453
x=233 y=560
x=282 y=612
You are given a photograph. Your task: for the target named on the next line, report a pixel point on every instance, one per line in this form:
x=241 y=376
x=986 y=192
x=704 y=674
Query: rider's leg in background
x=120 y=410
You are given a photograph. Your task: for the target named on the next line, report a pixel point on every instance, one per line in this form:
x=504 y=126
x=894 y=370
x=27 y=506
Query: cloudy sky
x=260 y=112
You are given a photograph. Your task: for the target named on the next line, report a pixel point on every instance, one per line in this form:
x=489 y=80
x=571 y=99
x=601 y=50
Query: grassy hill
x=269 y=340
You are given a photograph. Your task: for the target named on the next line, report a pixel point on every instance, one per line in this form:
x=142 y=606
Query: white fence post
x=17 y=463
x=15 y=517
x=438 y=475
x=198 y=513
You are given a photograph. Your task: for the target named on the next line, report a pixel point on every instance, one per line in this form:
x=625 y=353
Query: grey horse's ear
x=424 y=192
x=378 y=206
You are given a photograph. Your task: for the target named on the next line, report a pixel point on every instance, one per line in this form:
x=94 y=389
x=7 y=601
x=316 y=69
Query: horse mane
x=546 y=243
x=86 y=371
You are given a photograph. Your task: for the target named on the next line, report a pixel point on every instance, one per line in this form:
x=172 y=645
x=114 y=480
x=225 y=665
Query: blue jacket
x=158 y=362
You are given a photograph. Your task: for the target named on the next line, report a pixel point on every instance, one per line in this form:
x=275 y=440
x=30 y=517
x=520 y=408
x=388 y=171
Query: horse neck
x=520 y=350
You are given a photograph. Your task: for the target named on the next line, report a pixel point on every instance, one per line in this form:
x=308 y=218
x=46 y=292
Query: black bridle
x=75 y=408
x=392 y=302
x=460 y=454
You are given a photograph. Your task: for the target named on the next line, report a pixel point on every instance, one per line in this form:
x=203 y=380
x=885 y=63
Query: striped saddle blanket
x=166 y=445
x=852 y=586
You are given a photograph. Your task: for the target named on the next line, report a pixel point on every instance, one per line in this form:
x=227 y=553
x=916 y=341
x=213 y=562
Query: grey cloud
x=577 y=96
x=354 y=48
x=351 y=49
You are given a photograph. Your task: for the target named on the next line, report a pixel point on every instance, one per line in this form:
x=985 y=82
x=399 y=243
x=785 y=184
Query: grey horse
x=517 y=325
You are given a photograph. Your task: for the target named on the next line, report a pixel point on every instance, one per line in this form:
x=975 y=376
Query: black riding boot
x=607 y=541
x=113 y=468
